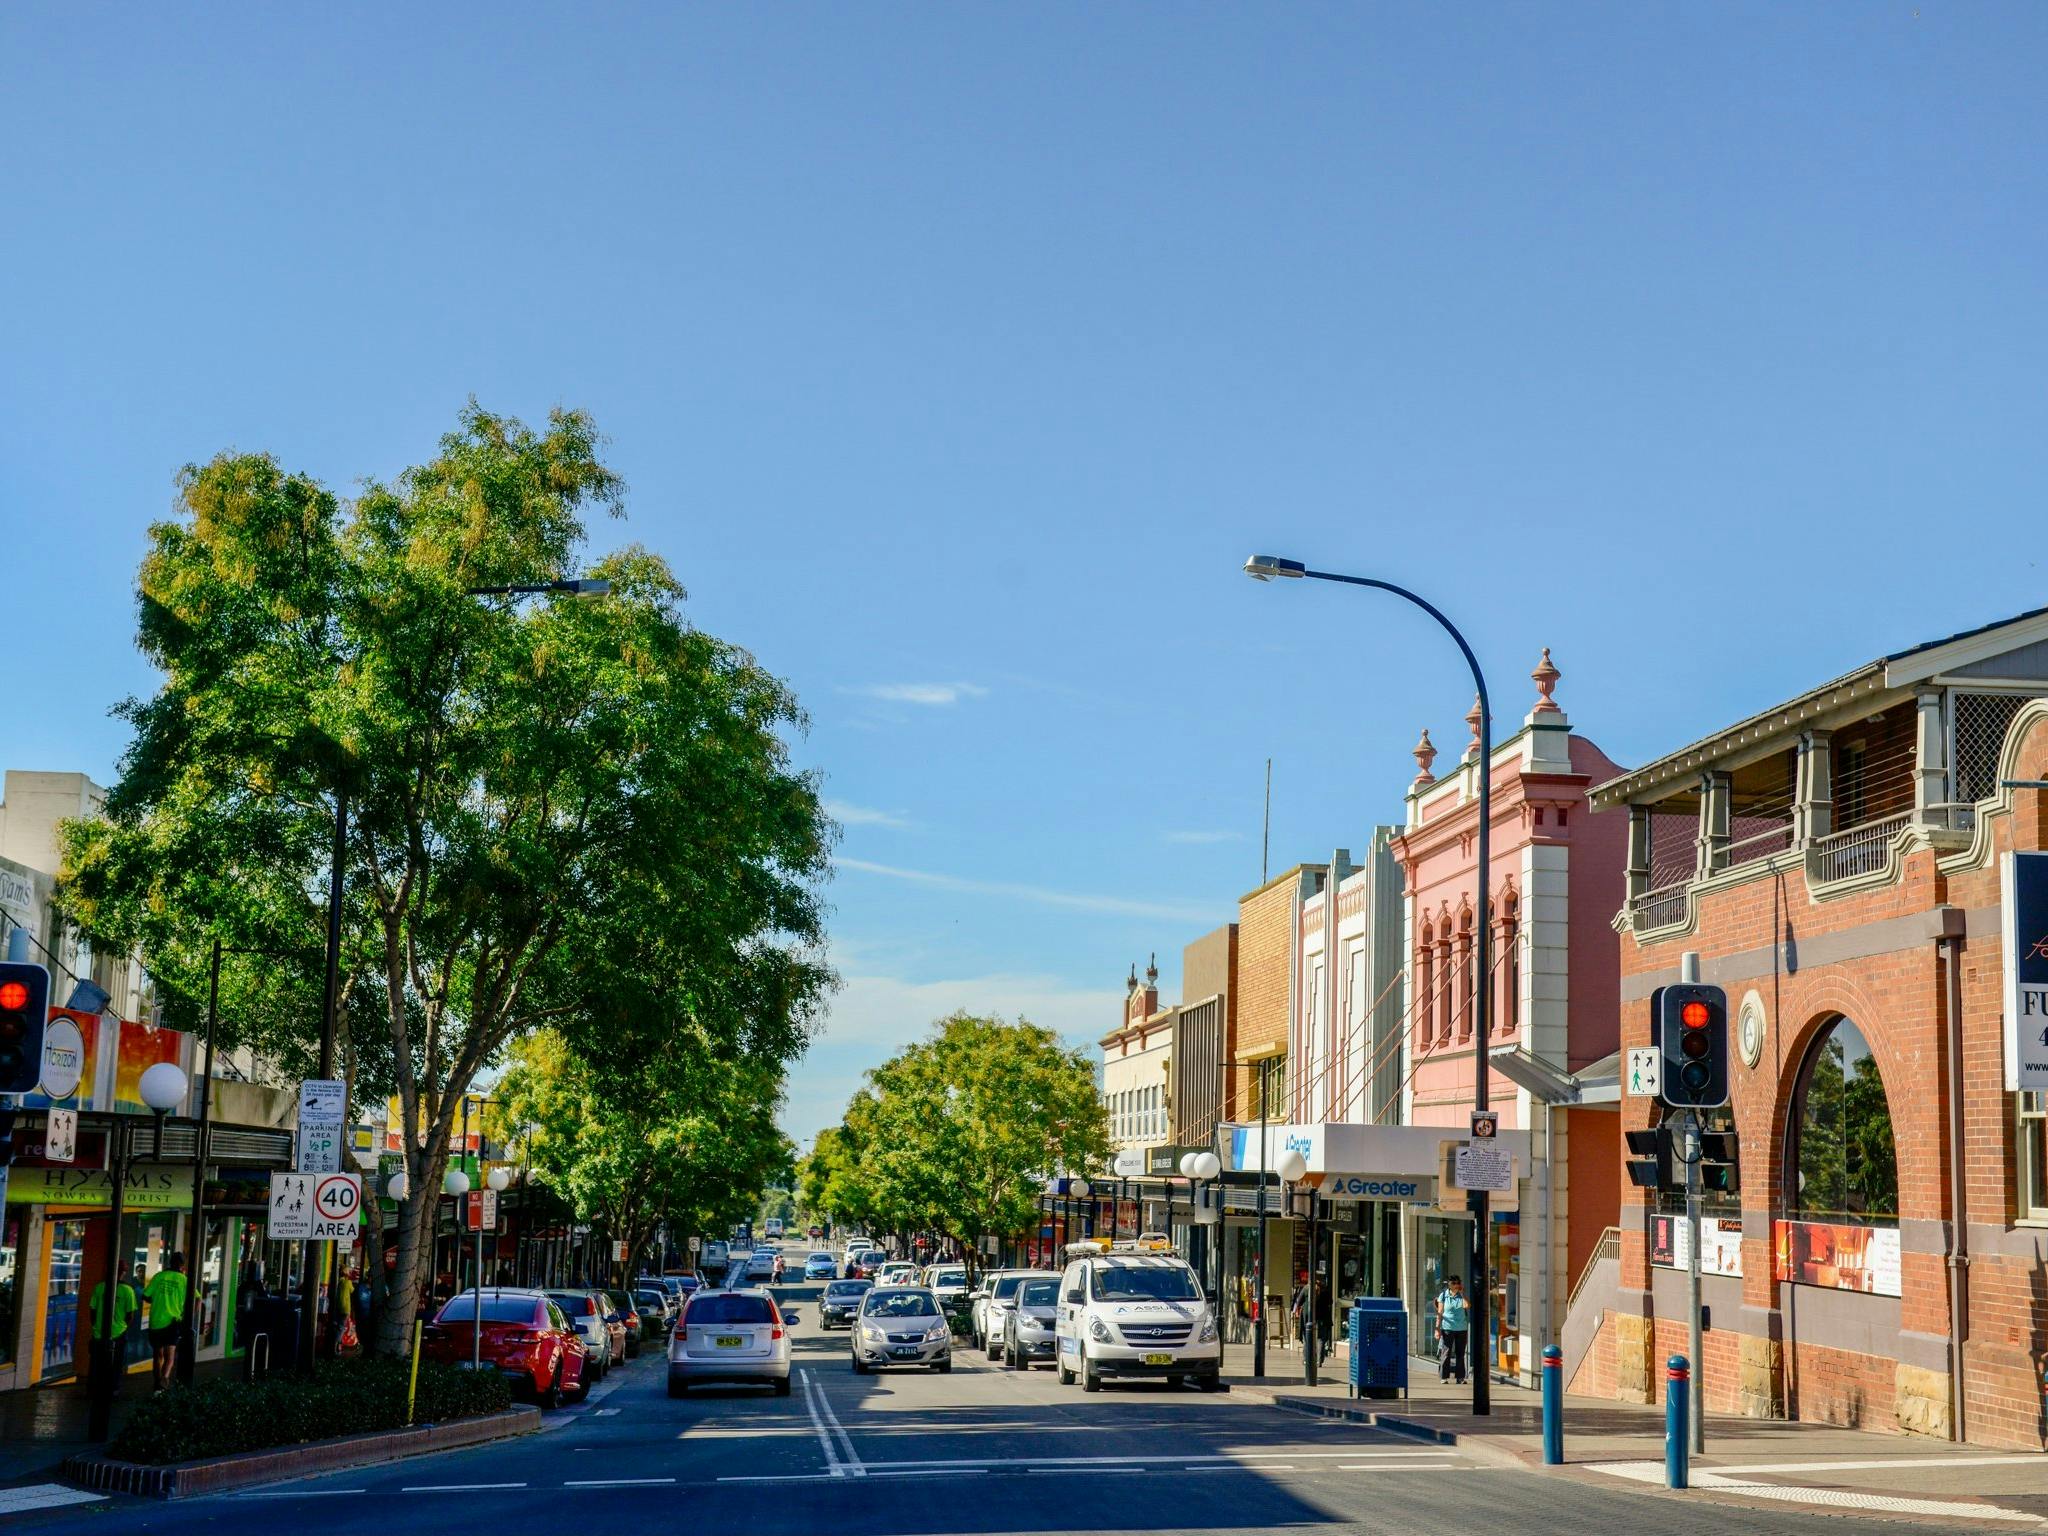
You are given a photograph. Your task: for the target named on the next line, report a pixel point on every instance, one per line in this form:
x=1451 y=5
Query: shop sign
x=1378 y=1186
x=149 y=1187
x=1720 y=1244
x=18 y=895
x=1129 y=1164
x=2024 y=879
x=1839 y=1256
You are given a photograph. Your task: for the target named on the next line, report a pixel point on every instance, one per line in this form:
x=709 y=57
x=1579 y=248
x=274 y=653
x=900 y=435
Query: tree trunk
x=410 y=1275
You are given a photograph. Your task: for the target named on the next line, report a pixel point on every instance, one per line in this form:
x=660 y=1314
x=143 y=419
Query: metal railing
x=1662 y=907
x=1860 y=850
x=1608 y=1247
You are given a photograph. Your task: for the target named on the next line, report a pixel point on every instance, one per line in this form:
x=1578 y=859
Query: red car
x=525 y=1336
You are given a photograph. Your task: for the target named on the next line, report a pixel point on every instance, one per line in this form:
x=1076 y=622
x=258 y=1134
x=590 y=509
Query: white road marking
x=1400 y=1466
x=601 y=1413
x=2033 y=1460
x=621 y=1482
x=14 y=1501
x=300 y=1493
x=854 y=1465
x=1730 y=1482
x=458 y=1487
x=1174 y=1458
x=811 y=1395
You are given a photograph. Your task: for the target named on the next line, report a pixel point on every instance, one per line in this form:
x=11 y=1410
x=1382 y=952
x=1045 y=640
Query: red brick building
x=1835 y=864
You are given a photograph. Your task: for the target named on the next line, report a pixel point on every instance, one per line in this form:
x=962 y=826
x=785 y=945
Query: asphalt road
x=903 y=1453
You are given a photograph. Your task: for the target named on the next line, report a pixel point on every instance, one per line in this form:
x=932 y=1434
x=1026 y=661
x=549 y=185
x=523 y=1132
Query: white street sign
x=63 y=1059
x=337 y=1202
x=291 y=1205
x=1129 y=1164
x=1645 y=1072
x=60 y=1138
x=320 y=1146
x=696 y=1243
x=323 y=1098
x=1485 y=1165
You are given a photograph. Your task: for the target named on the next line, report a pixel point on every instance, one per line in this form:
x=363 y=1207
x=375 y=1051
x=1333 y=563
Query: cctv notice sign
x=2024 y=879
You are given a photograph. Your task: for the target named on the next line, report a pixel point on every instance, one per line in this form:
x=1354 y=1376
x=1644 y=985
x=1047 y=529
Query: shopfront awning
x=1395 y=1153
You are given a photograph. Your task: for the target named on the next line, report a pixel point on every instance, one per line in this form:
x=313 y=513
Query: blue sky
x=956 y=356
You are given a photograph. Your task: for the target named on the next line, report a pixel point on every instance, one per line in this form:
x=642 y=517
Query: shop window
x=1845 y=1166
x=13 y=1269
x=2033 y=1159
x=1425 y=973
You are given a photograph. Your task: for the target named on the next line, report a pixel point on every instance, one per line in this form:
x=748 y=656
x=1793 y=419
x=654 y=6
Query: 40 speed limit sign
x=318 y=1207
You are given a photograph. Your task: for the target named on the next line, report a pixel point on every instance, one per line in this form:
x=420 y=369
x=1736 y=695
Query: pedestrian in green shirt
x=124 y=1305
x=166 y=1294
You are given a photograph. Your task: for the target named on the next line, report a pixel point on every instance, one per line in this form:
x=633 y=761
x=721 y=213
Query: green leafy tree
x=566 y=814
x=955 y=1133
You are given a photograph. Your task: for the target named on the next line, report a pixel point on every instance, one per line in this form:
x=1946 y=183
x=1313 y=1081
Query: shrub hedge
x=349 y=1397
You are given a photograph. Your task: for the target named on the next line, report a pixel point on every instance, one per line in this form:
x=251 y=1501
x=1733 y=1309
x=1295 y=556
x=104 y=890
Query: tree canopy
x=562 y=814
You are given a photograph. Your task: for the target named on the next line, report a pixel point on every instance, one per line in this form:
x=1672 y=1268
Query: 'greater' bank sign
x=2024 y=885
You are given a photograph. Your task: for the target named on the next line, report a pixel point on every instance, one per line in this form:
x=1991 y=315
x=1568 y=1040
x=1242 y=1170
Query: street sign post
x=1645 y=1072
x=291 y=1205
x=60 y=1138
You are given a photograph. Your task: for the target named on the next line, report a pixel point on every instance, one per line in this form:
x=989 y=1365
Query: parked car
x=901 y=1325
x=731 y=1336
x=628 y=1317
x=841 y=1302
x=897 y=1272
x=589 y=1316
x=948 y=1282
x=821 y=1266
x=996 y=1305
x=689 y=1280
x=652 y=1303
x=1135 y=1314
x=523 y=1335
x=1028 y=1324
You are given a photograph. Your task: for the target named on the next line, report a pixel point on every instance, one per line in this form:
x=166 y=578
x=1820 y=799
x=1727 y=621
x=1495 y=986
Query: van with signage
x=1135 y=1315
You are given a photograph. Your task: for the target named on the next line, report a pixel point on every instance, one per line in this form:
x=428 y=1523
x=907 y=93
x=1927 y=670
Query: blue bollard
x=1553 y=1406
x=1677 y=1435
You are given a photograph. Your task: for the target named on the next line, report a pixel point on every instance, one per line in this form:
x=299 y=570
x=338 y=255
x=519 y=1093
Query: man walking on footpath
x=1453 y=1327
x=167 y=1292
x=106 y=1351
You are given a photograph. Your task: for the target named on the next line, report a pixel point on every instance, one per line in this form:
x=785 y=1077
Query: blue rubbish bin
x=1379 y=1347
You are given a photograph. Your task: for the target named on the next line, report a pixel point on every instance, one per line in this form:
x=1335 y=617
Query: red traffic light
x=13 y=995
x=1694 y=1015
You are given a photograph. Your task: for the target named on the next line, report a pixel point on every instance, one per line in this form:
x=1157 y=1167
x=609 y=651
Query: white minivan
x=1135 y=1314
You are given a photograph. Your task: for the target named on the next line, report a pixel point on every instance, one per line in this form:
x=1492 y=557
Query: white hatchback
x=740 y=1335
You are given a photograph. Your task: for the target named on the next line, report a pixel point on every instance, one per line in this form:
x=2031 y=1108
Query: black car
x=841 y=1302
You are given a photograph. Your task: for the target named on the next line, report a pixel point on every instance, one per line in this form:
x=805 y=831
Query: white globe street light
x=1292 y=1165
x=454 y=1182
x=498 y=1178
x=398 y=1186
x=1187 y=1164
x=1207 y=1165
x=163 y=1087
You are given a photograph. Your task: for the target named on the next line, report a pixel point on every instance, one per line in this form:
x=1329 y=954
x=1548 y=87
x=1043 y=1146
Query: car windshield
x=949 y=1277
x=725 y=1307
x=575 y=1303
x=848 y=1288
x=497 y=1309
x=1144 y=1282
x=649 y=1298
x=1006 y=1286
x=822 y=1258
x=900 y=1304
x=1039 y=1293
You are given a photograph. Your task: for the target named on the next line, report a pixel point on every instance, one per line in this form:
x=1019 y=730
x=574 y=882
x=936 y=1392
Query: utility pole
x=1259 y=1261
x=320 y=1255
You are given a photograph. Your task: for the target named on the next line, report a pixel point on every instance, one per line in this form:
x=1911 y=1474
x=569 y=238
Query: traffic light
x=1720 y=1167
x=24 y=1006
x=1692 y=1039
x=1649 y=1164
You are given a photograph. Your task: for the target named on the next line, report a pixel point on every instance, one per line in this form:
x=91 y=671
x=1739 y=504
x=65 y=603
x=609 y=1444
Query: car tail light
x=775 y=1332
x=682 y=1333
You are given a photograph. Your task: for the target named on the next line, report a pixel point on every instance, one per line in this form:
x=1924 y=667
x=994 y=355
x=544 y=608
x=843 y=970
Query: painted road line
x=620 y=1482
x=602 y=1413
x=1826 y=1498
x=298 y=1493
x=459 y=1487
x=15 y=1501
x=2033 y=1460
x=811 y=1395
x=852 y=1458
x=1172 y=1458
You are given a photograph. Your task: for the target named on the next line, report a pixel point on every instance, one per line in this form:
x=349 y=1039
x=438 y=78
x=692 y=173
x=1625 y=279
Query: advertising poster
x=1839 y=1256
x=1720 y=1244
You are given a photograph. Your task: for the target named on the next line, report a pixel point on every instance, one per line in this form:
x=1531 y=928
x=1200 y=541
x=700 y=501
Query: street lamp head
x=1187 y=1164
x=1292 y=1165
x=498 y=1178
x=589 y=586
x=163 y=1087
x=1266 y=567
x=454 y=1182
x=1078 y=1186
x=1207 y=1165
x=398 y=1186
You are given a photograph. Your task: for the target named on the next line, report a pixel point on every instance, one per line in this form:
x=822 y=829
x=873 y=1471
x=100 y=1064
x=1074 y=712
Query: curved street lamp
x=1267 y=568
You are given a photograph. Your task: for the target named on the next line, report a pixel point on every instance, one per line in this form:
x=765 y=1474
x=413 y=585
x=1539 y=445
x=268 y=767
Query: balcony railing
x=1860 y=850
x=1662 y=907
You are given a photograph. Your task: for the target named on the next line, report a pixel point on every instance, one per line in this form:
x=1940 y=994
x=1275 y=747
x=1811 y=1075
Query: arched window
x=1844 y=1166
x=1465 y=973
x=1425 y=990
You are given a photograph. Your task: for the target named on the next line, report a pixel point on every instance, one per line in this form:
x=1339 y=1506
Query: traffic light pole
x=1697 y=1386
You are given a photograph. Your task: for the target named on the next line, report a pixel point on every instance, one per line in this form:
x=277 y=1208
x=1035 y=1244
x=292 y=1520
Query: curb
x=189 y=1479
x=1488 y=1447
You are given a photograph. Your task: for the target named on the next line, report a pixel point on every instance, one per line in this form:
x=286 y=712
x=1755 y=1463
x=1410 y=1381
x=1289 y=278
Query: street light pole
x=1265 y=568
x=189 y=1350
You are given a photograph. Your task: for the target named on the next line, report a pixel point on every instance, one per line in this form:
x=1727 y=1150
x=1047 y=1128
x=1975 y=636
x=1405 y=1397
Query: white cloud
x=1038 y=895
x=1203 y=837
x=929 y=694
x=848 y=814
x=874 y=1015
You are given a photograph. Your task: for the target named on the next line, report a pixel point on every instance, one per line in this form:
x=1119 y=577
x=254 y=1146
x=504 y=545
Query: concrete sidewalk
x=1818 y=1465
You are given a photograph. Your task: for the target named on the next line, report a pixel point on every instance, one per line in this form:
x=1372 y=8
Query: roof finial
x=1131 y=981
x=1152 y=970
x=1473 y=717
x=1425 y=755
x=1546 y=676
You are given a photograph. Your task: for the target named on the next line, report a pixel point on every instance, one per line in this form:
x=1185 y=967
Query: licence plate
x=729 y=1341
x=1159 y=1359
